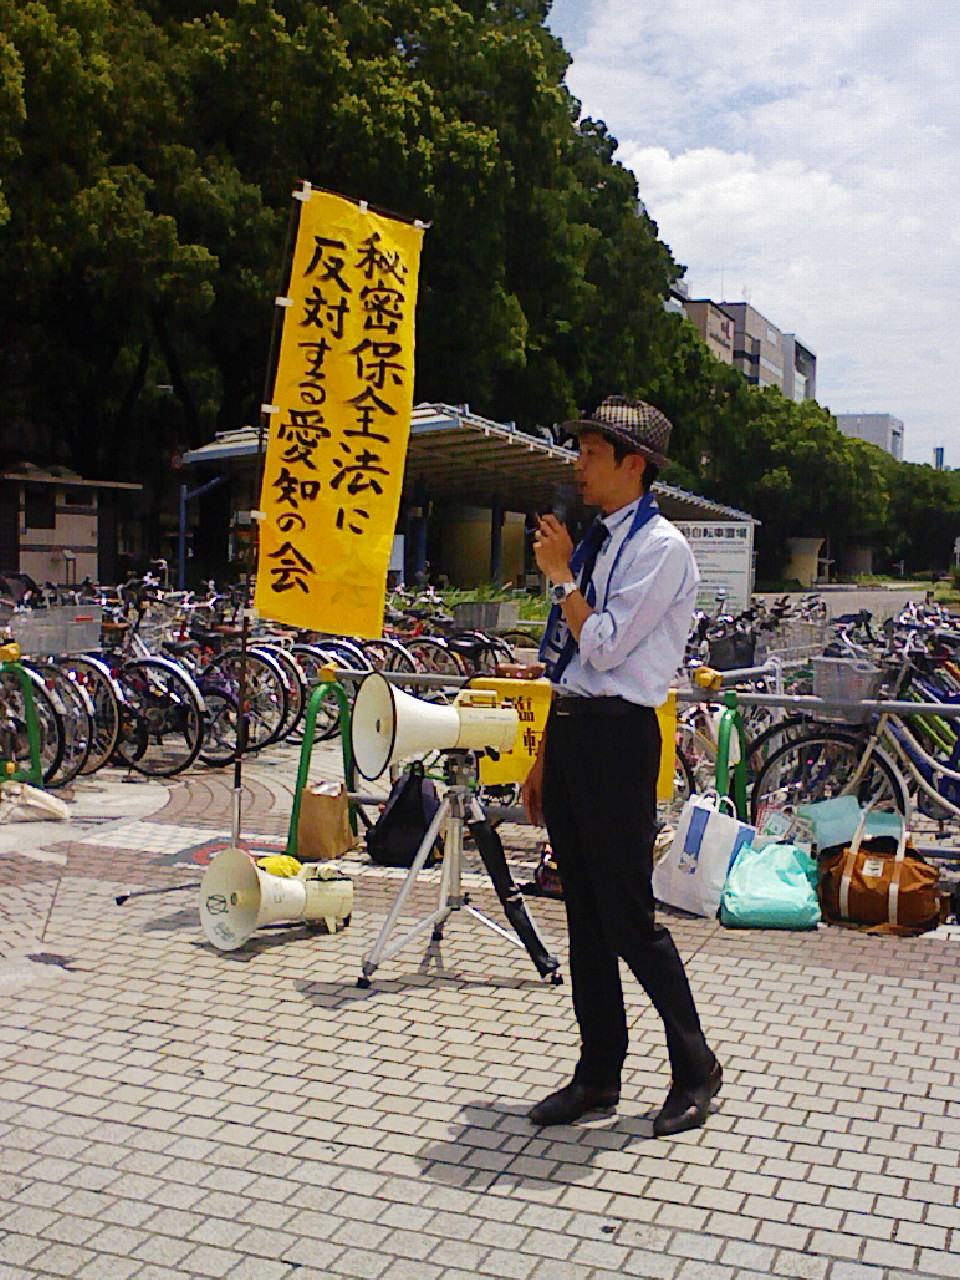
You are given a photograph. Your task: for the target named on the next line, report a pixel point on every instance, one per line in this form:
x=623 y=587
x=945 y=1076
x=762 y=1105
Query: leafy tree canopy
x=148 y=150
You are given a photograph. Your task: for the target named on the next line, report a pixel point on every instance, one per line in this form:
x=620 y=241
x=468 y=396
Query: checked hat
x=638 y=425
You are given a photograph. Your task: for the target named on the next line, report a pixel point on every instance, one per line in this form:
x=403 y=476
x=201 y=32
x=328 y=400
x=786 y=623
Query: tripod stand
x=460 y=808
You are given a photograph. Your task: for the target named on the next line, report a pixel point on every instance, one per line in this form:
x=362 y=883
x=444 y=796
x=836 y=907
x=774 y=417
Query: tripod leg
x=494 y=859
x=379 y=950
x=452 y=896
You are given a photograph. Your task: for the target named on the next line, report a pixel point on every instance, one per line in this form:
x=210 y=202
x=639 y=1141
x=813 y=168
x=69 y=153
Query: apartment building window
x=40 y=506
x=80 y=500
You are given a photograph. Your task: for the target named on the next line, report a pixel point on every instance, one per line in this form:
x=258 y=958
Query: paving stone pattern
x=168 y=1110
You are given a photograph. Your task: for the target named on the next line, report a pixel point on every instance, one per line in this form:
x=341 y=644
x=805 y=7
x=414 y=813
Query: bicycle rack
x=9 y=663
x=730 y=719
x=306 y=751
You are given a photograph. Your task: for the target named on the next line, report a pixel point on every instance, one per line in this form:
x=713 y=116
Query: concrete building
x=676 y=301
x=757 y=345
x=764 y=355
x=881 y=429
x=799 y=370
x=58 y=527
x=714 y=326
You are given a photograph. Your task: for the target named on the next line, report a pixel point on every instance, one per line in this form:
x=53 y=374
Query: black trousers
x=599 y=801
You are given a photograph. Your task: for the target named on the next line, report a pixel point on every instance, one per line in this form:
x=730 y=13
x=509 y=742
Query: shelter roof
x=30 y=473
x=460 y=456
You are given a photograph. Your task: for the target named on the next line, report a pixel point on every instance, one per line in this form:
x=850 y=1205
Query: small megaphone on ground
x=237 y=898
x=389 y=725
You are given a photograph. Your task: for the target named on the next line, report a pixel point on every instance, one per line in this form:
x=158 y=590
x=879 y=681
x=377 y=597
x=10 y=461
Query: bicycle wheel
x=163 y=717
x=521 y=639
x=295 y=683
x=487 y=657
x=761 y=748
x=265 y=700
x=699 y=755
x=347 y=656
x=312 y=659
x=14 y=738
x=219 y=727
x=76 y=709
x=819 y=766
x=389 y=655
x=107 y=697
x=434 y=658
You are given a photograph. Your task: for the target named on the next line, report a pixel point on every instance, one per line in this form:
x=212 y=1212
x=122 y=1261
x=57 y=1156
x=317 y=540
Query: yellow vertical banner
x=339 y=418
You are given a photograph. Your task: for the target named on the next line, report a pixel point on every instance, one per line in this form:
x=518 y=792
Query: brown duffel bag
x=881 y=883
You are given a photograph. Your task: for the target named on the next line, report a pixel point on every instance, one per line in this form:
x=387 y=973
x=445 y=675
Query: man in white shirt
x=623 y=602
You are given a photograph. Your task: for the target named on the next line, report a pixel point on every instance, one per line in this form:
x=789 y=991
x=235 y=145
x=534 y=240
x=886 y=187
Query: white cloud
x=808 y=155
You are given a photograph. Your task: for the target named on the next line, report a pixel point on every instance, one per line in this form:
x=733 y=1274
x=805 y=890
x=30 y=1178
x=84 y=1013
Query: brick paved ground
x=167 y=1110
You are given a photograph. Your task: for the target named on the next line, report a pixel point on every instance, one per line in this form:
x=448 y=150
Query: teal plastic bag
x=771 y=888
x=835 y=821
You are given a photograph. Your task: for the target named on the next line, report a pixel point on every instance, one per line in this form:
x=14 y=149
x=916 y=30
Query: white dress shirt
x=633 y=643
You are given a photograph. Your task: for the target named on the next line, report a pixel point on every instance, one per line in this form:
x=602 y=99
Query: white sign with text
x=724 y=556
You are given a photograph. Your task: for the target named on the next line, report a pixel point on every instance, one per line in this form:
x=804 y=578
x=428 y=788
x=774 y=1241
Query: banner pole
x=241 y=737
x=270 y=371
x=286 y=260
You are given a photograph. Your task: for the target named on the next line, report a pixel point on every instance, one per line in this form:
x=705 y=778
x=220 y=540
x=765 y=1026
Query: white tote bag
x=692 y=873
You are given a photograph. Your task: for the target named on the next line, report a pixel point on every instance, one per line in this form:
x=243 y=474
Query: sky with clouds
x=803 y=158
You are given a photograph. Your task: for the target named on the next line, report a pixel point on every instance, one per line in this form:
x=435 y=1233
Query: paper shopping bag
x=323 y=826
x=692 y=874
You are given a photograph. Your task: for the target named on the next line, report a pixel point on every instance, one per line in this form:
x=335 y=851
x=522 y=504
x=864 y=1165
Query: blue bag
x=771 y=888
x=835 y=821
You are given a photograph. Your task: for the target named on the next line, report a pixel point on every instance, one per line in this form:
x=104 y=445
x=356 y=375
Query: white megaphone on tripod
x=389 y=725
x=237 y=898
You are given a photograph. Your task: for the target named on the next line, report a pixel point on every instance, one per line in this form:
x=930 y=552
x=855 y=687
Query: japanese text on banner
x=340 y=419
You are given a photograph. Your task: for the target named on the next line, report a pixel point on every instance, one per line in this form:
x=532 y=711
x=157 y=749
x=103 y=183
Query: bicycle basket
x=733 y=652
x=839 y=680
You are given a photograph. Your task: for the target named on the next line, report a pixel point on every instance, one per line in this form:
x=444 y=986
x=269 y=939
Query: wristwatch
x=561 y=590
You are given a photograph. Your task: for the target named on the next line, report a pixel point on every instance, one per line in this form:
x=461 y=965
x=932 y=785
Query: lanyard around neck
x=646 y=510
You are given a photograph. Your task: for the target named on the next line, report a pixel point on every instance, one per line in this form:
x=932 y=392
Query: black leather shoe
x=688 y=1108
x=570 y=1103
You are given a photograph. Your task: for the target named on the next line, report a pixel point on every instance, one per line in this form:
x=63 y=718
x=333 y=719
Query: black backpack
x=395 y=837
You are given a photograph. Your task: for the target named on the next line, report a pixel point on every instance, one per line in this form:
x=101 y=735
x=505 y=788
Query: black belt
x=575 y=704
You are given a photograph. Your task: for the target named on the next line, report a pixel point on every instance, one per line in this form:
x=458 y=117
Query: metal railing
x=802 y=704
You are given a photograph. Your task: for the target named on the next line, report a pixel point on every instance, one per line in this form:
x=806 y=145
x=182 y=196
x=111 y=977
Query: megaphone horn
x=389 y=725
x=237 y=898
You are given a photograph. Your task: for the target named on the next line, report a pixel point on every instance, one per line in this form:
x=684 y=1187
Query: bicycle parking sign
x=723 y=551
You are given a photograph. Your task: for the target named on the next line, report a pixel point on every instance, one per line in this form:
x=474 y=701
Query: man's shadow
x=495 y=1141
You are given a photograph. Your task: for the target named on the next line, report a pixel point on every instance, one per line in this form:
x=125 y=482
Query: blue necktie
x=590 y=546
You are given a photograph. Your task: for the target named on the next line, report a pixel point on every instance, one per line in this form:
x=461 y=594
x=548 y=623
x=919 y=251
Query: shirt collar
x=624 y=515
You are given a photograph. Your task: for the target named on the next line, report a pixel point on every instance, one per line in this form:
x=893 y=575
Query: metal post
x=182 y=540
x=306 y=751
x=33 y=774
x=496 y=539
x=187 y=495
x=731 y=719
x=420 y=547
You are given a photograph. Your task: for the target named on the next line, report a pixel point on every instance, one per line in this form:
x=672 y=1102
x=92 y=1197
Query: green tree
x=148 y=152
x=924 y=515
